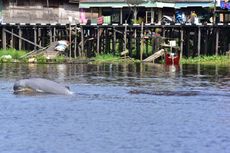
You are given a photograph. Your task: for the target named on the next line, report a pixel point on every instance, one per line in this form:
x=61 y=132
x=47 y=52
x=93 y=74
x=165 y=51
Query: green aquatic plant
x=41 y=59
x=107 y=58
x=113 y=59
x=59 y=59
x=220 y=59
x=15 y=54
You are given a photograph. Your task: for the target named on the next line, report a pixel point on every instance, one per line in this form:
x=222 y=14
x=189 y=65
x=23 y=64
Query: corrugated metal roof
x=151 y=3
x=170 y=1
x=189 y=4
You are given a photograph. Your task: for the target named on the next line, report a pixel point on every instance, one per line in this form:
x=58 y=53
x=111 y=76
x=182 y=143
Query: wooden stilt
x=114 y=40
x=217 y=41
x=206 y=41
x=35 y=37
x=51 y=35
x=20 y=40
x=82 y=41
x=125 y=36
x=142 y=41
x=54 y=34
x=70 y=40
x=181 y=42
x=75 y=41
x=12 y=39
x=198 y=44
x=40 y=36
x=98 y=40
x=3 y=38
x=130 y=43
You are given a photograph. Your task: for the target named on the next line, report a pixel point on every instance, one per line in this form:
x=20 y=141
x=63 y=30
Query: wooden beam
x=26 y=40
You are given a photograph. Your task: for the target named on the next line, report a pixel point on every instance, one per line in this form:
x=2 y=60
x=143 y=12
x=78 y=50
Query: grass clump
x=220 y=59
x=59 y=59
x=107 y=58
x=11 y=55
x=15 y=54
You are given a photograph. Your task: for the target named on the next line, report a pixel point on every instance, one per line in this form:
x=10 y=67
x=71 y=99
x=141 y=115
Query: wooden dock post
x=70 y=40
x=40 y=36
x=35 y=38
x=199 y=39
x=125 y=36
x=20 y=40
x=3 y=38
x=12 y=39
x=138 y=44
x=82 y=41
x=142 y=41
x=181 y=42
x=75 y=41
x=130 y=43
x=54 y=34
x=98 y=40
x=114 y=40
x=217 y=41
x=51 y=34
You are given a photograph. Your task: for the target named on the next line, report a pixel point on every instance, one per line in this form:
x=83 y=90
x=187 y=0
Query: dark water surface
x=118 y=109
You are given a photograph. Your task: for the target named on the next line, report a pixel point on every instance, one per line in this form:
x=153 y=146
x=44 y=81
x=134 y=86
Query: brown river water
x=117 y=108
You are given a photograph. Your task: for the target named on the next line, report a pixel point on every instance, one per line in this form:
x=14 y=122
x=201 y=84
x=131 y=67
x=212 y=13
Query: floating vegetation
x=221 y=59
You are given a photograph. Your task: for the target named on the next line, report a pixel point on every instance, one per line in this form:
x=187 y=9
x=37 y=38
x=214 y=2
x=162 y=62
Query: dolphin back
x=44 y=85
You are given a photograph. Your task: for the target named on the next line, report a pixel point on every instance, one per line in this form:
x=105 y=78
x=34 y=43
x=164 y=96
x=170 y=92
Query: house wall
x=39 y=11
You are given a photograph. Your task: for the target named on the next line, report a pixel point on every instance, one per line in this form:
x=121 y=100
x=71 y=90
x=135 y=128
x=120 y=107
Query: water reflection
x=111 y=72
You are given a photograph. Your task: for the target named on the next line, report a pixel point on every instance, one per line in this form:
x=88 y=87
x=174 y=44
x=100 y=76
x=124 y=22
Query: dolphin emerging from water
x=40 y=85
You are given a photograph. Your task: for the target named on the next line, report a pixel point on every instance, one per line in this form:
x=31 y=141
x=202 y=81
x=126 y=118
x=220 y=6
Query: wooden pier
x=138 y=41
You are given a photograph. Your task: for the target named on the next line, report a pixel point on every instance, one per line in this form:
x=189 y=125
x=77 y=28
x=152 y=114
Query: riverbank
x=14 y=56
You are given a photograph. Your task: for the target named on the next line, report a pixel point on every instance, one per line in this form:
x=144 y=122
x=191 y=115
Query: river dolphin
x=33 y=85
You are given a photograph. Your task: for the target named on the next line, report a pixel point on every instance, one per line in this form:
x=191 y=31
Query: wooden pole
x=3 y=38
x=152 y=15
x=54 y=34
x=217 y=41
x=75 y=42
x=125 y=36
x=121 y=16
x=142 y=41
x=20 y=40
x=40 y=36
x=181 y=42
x=12 y=39
x=114 y=40
x=51 y=35
x=70 y=40
x=35 y=37
x=199 y=39
x=98 y=40
x=82 y=41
